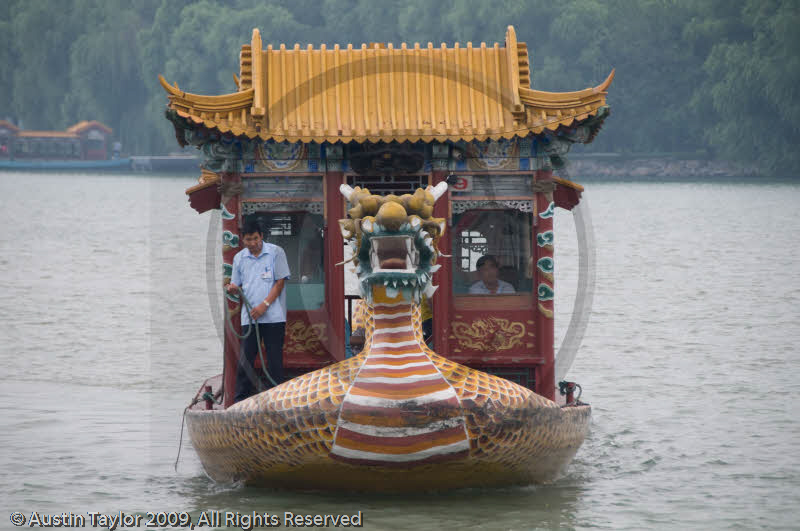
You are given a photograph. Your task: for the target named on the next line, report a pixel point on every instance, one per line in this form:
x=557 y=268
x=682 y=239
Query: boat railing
x=349 y=301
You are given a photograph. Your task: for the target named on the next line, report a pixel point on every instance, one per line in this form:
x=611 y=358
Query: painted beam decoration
x=265 y=157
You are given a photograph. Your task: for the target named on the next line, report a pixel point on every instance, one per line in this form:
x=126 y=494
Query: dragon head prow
x=394 y=240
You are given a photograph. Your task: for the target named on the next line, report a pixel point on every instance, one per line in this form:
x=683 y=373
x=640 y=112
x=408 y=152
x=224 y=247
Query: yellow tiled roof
x=8 y=125
x=382 y=93
x=85 y=124
x=47 y=134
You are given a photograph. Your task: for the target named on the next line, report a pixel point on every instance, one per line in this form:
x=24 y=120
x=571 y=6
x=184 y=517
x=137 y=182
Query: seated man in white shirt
x=489 y=284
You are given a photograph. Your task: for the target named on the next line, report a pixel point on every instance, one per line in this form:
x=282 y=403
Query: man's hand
x=231 y=288
x=258 y=311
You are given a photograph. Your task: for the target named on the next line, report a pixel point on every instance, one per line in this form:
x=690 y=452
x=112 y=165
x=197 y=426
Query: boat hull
x=269 y=441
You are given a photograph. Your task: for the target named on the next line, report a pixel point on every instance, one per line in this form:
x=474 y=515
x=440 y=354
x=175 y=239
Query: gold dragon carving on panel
x=490 y=334
x=302 y=337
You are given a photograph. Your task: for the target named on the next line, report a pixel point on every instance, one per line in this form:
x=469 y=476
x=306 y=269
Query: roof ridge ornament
x=257 y=110
x=512 y=60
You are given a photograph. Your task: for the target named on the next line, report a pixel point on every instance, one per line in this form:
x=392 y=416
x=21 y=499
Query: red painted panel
x=307 y=339
x=334 y=275
x=442 y=300
x=231 y=349
x=96 y=154
x=494 y=332
x=545 y=332
x=205 y=199
x=566 y=197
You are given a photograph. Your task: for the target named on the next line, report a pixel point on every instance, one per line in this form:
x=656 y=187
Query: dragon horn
x=439 y=190
x=346 y=190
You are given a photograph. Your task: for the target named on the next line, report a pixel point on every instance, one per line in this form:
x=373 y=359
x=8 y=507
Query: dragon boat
x=394 y=171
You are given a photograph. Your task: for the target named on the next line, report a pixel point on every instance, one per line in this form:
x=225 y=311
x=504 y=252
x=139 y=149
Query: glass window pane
x=500 y=242
x=93 y=145
x=300 y=235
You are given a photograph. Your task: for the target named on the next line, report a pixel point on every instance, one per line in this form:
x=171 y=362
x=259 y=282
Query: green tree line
x=719 y=77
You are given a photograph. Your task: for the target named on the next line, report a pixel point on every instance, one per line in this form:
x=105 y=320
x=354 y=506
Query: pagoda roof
x=88 y=124
x=47 y=134
x=382 y=93
x=9 y=125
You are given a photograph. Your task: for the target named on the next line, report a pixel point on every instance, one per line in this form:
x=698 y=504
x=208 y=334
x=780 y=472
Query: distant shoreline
x=633 y=167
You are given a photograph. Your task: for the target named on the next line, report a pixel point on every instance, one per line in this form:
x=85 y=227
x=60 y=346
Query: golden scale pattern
x=511 y=429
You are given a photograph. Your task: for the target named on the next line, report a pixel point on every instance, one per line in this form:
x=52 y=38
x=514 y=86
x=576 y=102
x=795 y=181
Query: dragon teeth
x=429 y=290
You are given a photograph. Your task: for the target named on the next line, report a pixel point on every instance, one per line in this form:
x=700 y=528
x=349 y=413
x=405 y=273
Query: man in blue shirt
x=259 y=272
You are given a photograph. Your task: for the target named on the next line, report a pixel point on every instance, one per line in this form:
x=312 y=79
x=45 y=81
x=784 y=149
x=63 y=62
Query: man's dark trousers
x=247 y=377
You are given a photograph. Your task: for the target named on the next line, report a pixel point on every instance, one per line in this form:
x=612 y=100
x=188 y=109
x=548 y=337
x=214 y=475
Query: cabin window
x=491 y=187
x=300 y=234
x=504 y=234
x=389 y=184
x=95 y=145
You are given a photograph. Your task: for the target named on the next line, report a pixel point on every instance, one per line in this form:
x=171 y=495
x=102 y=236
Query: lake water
x=690 y=361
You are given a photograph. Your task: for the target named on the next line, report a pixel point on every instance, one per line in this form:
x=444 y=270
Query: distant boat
x=84 y=146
